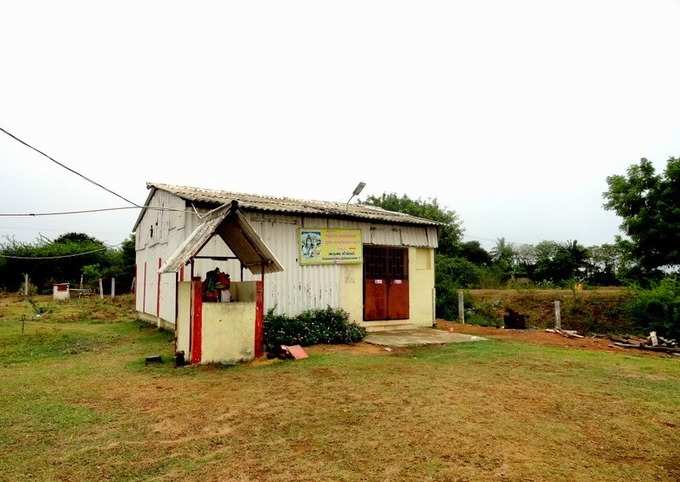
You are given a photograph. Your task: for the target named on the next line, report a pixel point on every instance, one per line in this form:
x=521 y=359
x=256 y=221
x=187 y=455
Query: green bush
x=452 y=273
x=658 y=308
x=483 y=313
x=328 y=325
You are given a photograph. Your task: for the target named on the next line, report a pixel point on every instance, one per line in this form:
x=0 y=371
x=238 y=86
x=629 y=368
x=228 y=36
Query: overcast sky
x=511 y=113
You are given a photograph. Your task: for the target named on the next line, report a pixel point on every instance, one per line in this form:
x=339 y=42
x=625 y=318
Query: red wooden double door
x=386 y=294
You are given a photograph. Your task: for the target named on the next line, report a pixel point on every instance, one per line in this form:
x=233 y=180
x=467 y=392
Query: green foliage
x=451 y=230
x=502 y=255
x=473 y=252
x=657 y=308
x=558 y=263
x=328 y=325
x=484 y=313
x=451 y=274
x=92 y=272
x=648 y=204
x=491 y=277
x=596 y=316
x=457 y=272
x=104 y=262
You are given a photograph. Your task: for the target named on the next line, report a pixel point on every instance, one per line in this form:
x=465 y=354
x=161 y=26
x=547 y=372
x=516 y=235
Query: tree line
x=58 y=263
x=644 y=255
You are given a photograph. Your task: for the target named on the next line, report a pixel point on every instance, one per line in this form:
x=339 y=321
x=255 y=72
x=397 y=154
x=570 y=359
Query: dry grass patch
x=482 y=411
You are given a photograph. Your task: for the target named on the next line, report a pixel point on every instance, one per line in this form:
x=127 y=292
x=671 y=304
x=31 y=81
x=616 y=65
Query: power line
x=55 y=257
x=59 y=213
x=68 y=168
x=87 y=211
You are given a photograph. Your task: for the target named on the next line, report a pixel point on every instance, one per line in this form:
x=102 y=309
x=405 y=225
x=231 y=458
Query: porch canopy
x=235 y=230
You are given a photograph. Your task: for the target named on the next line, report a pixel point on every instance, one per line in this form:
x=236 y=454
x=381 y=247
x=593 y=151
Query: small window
x=382 y=262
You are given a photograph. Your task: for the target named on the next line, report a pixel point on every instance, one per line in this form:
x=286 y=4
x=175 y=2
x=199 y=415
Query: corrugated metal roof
x=290 y=205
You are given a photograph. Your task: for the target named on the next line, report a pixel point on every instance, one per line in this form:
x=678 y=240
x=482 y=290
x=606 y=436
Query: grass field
x=79 y=404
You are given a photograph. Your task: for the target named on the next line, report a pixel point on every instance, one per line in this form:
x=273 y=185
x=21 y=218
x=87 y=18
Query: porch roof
x=235 y=230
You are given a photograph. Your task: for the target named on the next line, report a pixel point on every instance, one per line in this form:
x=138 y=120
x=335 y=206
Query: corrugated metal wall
x=168 y=232
x=295 y=289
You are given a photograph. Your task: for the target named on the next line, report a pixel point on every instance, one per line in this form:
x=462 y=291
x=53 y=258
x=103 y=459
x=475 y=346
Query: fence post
x=25 y=284
x=113 y=288
x=81 y=281
x=101 y=289
x=558 y=317
x=461 y=307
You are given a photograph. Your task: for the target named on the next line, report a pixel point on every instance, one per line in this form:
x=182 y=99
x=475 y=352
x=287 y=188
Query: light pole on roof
x=357 y=190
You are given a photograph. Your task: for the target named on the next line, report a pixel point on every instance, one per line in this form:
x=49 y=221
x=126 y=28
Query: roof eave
x=245 y=206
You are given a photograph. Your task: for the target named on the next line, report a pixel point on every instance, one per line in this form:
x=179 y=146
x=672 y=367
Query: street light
x=357 y=190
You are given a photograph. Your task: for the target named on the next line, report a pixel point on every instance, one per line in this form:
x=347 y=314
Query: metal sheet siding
x=168 y=233
x=295 y=289
x=386 y=236
x=414 y=236
x=347 y=223
x=432 y=237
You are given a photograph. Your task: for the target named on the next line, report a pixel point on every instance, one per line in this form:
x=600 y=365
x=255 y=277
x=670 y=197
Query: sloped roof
x=290 y=205
x=236 y=232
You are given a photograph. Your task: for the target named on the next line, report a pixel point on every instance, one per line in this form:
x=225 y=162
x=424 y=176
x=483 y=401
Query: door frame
x=387 y=279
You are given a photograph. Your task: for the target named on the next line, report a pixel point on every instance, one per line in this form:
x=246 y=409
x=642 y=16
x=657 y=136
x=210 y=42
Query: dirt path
x=539 y=336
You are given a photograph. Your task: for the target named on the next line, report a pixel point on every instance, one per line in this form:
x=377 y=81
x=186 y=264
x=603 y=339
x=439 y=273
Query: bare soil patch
x=540 y=337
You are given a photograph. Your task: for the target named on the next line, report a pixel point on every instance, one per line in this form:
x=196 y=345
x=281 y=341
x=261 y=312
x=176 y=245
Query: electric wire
x=87 y=211
x=68 y=168
x=72 y=255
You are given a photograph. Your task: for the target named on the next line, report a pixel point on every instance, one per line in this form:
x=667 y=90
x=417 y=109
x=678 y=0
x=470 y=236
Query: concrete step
x=376 y=326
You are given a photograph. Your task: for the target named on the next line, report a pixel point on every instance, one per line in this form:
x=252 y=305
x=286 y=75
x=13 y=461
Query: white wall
x=168 y=232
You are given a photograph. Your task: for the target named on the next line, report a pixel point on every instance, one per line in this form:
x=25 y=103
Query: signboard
x=329 y=246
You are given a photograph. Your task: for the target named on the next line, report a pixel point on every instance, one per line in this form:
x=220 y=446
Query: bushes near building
x=328 y=325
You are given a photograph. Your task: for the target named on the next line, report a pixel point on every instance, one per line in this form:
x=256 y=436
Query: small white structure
x=60 y=291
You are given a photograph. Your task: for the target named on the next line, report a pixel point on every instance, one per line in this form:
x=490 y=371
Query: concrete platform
x=418 y=337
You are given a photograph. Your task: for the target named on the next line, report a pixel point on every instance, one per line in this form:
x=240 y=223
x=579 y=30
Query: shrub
x=658 y=308
x=491 y=277
x=483 y=313
x=452 y=273
x=328 y=325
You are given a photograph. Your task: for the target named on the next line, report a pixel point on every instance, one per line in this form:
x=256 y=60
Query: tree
x=502 y=255
x=524 y=259
x=99 y=260
x=557 y=262
x=649 y=204
x=452 y=273
x=474 y=253
x=451 y=230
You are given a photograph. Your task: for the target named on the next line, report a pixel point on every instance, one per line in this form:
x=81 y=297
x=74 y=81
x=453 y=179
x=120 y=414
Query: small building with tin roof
x=294 y=254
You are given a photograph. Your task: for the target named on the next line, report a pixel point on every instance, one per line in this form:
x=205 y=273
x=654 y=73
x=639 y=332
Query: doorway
x=386 y=289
